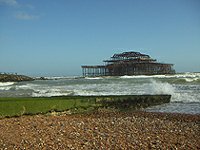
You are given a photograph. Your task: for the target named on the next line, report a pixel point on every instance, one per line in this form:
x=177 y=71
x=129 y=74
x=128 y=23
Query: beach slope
x=101 y=130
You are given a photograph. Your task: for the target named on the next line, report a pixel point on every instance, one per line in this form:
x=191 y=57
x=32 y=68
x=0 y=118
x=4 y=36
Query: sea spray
x=184 y=88
x=185 y=97
x=157 y=87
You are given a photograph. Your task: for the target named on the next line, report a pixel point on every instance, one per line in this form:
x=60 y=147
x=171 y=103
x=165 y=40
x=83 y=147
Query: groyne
x=72 y=104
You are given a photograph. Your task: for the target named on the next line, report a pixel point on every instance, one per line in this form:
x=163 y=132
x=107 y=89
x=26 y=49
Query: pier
x=128 y=63
x=94 y=70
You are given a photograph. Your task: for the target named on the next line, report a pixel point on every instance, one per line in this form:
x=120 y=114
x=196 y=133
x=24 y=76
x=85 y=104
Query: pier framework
x=128 y=63
x=99 y=70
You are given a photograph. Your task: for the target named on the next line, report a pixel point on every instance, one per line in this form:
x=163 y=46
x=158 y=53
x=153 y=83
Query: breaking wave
x=178 y=95
x=93 y=78
x=182 y=87
x=50 y=93
x=177 y=78
x=143 y=76
x=6 y=83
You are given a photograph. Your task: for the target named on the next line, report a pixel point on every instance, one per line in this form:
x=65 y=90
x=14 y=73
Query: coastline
x=102 y=130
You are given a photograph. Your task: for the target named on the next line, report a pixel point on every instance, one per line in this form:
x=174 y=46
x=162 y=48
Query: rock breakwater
x=14 y=78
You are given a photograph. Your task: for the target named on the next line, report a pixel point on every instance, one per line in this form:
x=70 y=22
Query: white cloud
x=29 y=6
x=25 y=16
x=21 y=15
x=15 y=3
x=9 y=2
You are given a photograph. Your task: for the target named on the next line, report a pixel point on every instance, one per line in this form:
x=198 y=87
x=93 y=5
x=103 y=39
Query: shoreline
x=102 y=130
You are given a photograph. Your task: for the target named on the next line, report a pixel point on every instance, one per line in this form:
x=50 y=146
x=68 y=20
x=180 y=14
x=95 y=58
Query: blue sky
x=53 y=38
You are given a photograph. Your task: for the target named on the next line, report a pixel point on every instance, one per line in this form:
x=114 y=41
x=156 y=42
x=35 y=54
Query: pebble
x=101 y=130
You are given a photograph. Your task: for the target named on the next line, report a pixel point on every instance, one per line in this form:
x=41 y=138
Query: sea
x=184 y=88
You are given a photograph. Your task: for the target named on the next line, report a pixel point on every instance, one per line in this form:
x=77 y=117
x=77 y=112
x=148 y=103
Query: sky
x=56 y=37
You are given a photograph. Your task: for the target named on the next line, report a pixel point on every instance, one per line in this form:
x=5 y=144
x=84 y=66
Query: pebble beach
x=101 y=130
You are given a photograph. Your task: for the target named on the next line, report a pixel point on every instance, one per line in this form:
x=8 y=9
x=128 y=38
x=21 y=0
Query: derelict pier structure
x=128 y=63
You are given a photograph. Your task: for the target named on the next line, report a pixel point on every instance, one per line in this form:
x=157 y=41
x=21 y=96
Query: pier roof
x=130 y=54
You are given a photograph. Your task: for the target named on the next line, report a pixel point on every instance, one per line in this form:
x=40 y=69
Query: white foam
x=133 y=77
x=114 y=86
x=191 y=79
x=6 y=83
x=161 y=88
x=187 y=75
x=60 y=77
x=184 y=75
x=177 y=96
x=5 y=86
x=93 y=78
x=50 y=92
x=146 y=76
x=27 y=86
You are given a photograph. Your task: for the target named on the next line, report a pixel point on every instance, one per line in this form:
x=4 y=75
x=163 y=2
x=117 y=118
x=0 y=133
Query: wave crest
x=6 y=83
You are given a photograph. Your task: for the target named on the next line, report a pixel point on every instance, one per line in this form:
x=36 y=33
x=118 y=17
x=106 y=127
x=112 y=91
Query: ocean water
x=184 y=88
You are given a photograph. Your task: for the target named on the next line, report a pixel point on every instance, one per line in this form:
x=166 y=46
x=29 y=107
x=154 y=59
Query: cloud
x=15 y=3
x=21 y=14
x=29 y=6
x=9 y=2
x=26 y=16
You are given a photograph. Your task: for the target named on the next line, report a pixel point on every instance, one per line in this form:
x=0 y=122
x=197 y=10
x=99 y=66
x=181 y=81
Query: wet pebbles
x=102 y=130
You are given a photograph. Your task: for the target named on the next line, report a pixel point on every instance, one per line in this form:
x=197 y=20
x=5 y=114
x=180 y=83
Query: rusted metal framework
x=129 y=63
x=99 y=70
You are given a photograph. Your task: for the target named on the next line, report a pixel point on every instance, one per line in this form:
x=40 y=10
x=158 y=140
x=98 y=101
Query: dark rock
x=43 y=78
